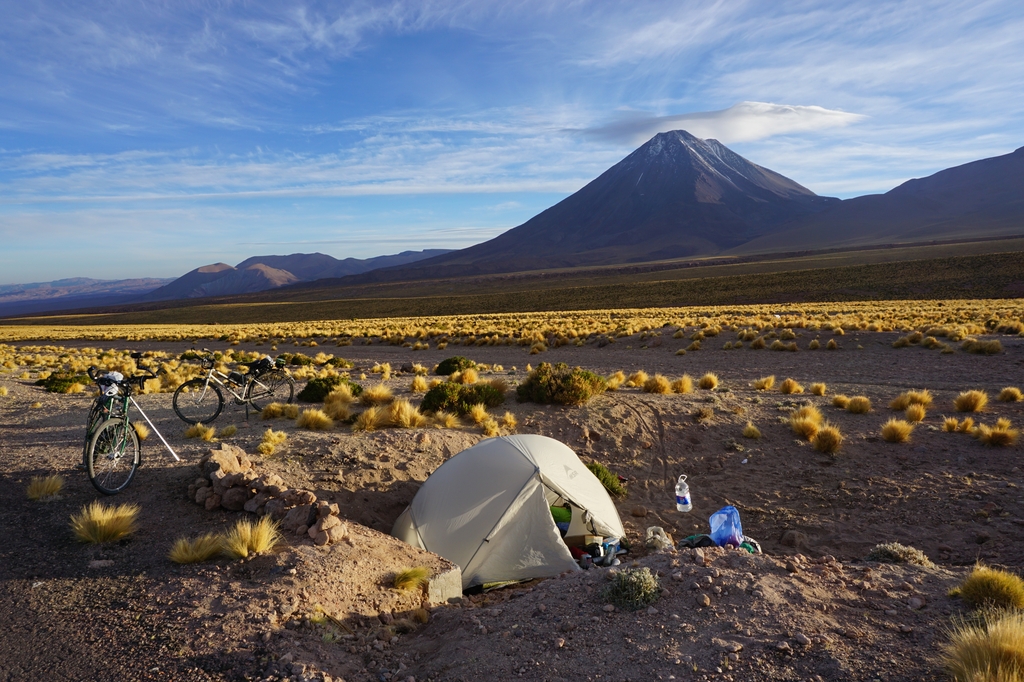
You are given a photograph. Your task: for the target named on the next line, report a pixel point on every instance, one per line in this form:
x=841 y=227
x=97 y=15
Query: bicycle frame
x=223 y=380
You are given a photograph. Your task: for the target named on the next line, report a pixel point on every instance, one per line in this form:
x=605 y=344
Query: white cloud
x=741 y=122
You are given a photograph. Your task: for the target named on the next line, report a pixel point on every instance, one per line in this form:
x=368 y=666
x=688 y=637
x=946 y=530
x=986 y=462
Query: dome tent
x=487 y=509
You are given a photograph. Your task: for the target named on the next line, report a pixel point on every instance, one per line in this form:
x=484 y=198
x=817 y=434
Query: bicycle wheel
x=273 y=387
x=196 y=403
x=113 y=456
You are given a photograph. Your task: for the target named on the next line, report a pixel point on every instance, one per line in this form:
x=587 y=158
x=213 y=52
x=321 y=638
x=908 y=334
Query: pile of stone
x=230 y=481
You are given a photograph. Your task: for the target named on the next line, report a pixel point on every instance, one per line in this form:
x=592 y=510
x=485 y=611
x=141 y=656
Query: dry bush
x=97 y=523
x=818 y=388
x=314 y=420
x=709 y=381
x=896 y=431
x=814 y=345
x=950 y=424
x=339 y=412
x=44 y=487
x=616 y=380
x=270 y=440
x=991 y=588
x=790 y=386
x=804 y=427
x=751 y=431
x=508 y=420
x=915 y=413
x=247 y=538
x=990 y=649
x=490 y=428
x=201 y=431
x=376 y=395
x=758 y=343
x=828 y=439
x=777 y=345
x=971 y=401
x=693 y=346
x=445 y=420
x=1010 y=394
x=1001 y=435
x=466 y=376
x=703 y=415
x=537 y=348
x=202 y=548
x=499 y=385
x=272 y=411
x=478 y=414
x=657 y=384
x=637 y=379
x=683 y=384
x=342 y=395
x=841 y=401
x=991 y=347
x=409 y=579
x=859 y=404
x=832 y=345
x=895 y=553
x=370 y=419
x=764 y=383
x=681 y=351
x=966 y=426
x=905 y=400
x=405 y=415
x=226 y=432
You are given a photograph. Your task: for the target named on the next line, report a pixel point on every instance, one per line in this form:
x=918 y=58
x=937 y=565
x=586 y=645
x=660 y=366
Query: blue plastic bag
x=726 y=528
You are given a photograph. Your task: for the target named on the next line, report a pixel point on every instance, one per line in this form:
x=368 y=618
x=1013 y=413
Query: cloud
x=743 y=122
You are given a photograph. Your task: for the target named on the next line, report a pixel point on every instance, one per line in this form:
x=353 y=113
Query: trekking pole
x=155 y=430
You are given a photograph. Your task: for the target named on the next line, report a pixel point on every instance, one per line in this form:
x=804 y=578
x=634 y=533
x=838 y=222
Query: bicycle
x=112 y=453
x=200 y=400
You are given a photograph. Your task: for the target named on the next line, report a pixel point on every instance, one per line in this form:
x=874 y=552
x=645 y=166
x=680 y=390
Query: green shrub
x=61 y=382
x=317 y=389
x=895 y=553
x=459 y=398
x=297 y=359
x=609 y=480
x=453 y=365
x=633 y=588
x=340 y=362
x=560 y=385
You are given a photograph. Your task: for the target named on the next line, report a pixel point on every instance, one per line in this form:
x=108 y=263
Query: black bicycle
x=200 y=400
x=112 y=452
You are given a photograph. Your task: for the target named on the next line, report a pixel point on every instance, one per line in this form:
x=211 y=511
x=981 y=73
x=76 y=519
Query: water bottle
x=683 y=502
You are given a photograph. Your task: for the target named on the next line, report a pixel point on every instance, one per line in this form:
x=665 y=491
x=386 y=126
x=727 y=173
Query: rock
x=906 y=629
x=275 y=509
x=301 y=530
x=728 y=646
x=651 y=611
x=212 y=502
x=327 y=509
x=101 y=563
x=226 y=459
x=793 y=538
x=639 y=511
x=321 y=539
x=699 y=556
x=274 y=490
x=234 y=499
x=422 y=439
x=201 y=482
x=251 y=505
x=915 y=603
x=301 y=515
x=784 y=646
x=203 y=493
x=608 y=608
x=802 y=639
x=792 y=567
x=337 y=533
x=560 y=642
x=703 y=600
x=327 y=522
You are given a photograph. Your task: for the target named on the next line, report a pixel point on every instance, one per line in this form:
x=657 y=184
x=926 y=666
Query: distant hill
x=979 y=199
x=313 y=266
x=75 y=292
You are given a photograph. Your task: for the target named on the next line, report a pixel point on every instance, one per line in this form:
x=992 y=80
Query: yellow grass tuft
x=227 y=431
x=376 y=395
x=683 y=384
x=202 y=548
x=370 y=419
x=1010 y=394
x=896 y=431
x=419 y=384
x=405 y=415
x=814 y=345
x=637 y=379
x=272 y=411
x=859 y=405
x=141 y=430
x=247 y=538
x=991 y=588
x=905 y=400
x=708 y=382
x=999 y=436
x=271 y=439
x=616 y=380
x=657 y=384
x=966 y=426
x=45 y=487
x=97 y=523
x=804 y=427
x=841 y=401
x=832 y=345
x=988 y=650
x=915 y=413
x=342 y=395
x=201 y=431
x=314 y=420
x=950 y=424
x=818 y=388
x=291 y=411
x=790 y=386
x=764 y=383
x=751 y=431
x=489 y=427
x=808 y=412
x=971 y=401
x=445 y=420
x=478 y=413
x=409 y=579
x=828 y=439
x=508 y=420
x=3 y=391
x=36 y=405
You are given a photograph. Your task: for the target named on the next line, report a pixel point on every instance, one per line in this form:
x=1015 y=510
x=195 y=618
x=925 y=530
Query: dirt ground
x=810 y=608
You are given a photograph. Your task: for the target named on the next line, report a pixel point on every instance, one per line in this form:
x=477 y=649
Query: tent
x=487 y=509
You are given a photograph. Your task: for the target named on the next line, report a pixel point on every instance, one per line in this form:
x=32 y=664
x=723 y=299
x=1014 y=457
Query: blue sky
x=148 y=138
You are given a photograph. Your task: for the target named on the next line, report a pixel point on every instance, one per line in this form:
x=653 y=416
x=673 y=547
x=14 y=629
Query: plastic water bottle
x=683 y=502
